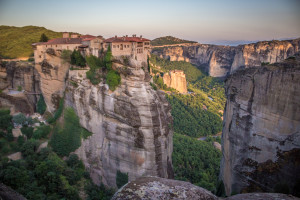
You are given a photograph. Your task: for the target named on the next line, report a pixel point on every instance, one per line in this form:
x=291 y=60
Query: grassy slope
x=169 y=40
x=16 y=41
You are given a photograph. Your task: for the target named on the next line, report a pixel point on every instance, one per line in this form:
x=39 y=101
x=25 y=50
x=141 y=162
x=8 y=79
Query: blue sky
x=202 y=21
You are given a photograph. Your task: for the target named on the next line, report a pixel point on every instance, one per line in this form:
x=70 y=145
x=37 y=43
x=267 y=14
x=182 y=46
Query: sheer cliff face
x=53 y=72
x=219 y=61
x=15 y=76
x=176 y=79
x=130 y=126
x=261 y=130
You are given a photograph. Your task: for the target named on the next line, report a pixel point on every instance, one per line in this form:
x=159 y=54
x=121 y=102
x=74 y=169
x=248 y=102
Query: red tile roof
x=87 y=36
x=88 y=39
x=125 y=39
x=61 y=41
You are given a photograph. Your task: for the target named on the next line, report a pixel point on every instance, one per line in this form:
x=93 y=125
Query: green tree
x=44 y=38
x=41 y=105
x=94 y=62
x=108 y=58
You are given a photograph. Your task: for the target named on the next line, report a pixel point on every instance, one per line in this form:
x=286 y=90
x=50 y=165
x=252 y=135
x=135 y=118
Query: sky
x=197 y=20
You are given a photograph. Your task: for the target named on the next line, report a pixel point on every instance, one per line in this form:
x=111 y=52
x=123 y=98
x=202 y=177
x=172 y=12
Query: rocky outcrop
x=16 y=76
x=176 y=79
x=130 y=126
x=6 y=193
x=261 y=130
x=219 y=61
x=155 y=188
x=53 y=72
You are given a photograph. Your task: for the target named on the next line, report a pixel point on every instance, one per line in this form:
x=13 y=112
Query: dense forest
x=169 y=40
x=16 y=41
x=196 y=161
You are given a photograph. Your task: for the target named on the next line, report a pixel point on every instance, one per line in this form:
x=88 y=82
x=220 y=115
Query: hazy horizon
x=201 y=21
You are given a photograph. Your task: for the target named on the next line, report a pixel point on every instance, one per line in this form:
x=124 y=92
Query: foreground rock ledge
x=161 y=188
x=155 y=188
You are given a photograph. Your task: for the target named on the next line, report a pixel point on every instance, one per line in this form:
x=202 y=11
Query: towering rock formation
x=219 y=61
x=15 y=76
x=176 y=79
x=53 y=73
x=261 y=131
x=130 y=126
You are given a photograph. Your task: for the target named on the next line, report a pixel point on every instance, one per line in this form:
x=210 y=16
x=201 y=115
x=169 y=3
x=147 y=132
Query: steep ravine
x=261 y=129
x=220 y=61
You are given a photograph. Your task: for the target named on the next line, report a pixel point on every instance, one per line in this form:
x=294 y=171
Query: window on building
x=40 y=56
x=67 y=47
x=118 y=46
x=46 y=45
x=106 y=46
x=128 y=46
x=55 y=45
x=113 y=46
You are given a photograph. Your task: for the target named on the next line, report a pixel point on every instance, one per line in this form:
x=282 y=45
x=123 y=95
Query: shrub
x=19 y=119
x=66 y=56
x=5 y=119
x=77 y=59
x=28 y=131
x=19 y=88
x=41 y=132
x=121 y=178
x=29 y=147
x=113 y=79
x=41 y=105
x=93 y=77
x=94 y=62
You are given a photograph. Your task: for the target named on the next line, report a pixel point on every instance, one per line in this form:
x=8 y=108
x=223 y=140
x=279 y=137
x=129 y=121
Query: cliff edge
x=261 y=128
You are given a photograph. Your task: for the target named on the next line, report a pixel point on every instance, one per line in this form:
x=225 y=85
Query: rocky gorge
x=220 y=61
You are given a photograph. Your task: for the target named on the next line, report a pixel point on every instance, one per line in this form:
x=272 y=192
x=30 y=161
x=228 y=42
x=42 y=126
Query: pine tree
x=108 y=58
x=44 y=38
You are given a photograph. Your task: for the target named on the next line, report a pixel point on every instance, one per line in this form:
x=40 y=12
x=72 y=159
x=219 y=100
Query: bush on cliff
x=77 y=59
x=94 y=62
x=66 y=56
x=113 y=79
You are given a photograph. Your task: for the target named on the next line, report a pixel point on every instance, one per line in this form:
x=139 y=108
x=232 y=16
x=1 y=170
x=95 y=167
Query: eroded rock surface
x=53 y=72
x=130 y=126
x=219 y=61
x=261 y=130
x=16 y=76
x=155 y=188
x=176 y=79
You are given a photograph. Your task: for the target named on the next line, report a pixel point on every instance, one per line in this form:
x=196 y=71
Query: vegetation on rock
x=67 y=136
x=121 y=179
